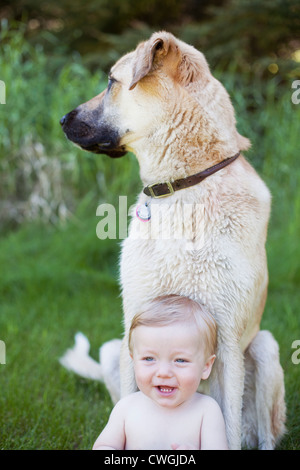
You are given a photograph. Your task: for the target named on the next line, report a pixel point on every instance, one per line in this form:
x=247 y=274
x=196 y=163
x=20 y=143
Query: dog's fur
x=164 y=105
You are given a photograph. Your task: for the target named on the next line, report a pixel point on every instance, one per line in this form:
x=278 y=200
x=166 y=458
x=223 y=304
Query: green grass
x=56 y=280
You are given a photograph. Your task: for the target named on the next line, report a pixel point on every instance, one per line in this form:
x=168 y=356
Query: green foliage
x=34 y=154
x=253 y=34
x=35 y=87
x=34 y=104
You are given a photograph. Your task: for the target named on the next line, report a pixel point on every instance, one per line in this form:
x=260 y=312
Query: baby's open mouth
x=164 y=389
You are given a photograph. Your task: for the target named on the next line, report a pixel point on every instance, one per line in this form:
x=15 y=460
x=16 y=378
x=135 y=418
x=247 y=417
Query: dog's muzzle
x=102 y=139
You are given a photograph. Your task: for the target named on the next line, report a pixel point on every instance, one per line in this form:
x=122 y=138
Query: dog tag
x=143 y=212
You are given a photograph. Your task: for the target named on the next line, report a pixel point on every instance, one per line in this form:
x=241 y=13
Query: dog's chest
x=180 y=250
x=171 y=265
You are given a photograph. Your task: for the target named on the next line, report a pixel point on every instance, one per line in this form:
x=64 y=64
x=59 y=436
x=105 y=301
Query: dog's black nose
x=67 y=118
x=63 y=120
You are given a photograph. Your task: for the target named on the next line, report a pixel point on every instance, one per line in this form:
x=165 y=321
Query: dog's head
x=159 y=98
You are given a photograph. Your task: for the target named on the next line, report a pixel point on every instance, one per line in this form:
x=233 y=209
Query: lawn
x=54 y=282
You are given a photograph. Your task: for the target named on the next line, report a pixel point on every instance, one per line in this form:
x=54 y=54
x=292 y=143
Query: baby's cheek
x=190 y=380
x=142 y=377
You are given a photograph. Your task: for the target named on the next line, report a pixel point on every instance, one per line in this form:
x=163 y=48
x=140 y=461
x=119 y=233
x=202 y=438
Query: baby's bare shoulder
x=208 y=403
x=126 y=403
x=129 y=399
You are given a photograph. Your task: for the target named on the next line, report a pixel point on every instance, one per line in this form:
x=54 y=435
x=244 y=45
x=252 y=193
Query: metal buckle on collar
x=170 y=187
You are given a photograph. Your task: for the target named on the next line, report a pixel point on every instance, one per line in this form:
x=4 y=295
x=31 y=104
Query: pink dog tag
x=143 y=212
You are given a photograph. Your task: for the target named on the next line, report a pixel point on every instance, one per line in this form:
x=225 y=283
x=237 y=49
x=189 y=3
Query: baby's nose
x=164 y=370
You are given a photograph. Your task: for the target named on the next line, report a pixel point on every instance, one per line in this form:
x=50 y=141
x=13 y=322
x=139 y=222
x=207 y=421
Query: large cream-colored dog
x=163 y=104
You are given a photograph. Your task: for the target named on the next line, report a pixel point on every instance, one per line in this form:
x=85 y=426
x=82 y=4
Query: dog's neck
x=167 y=188
x=169 y=166
x=190 y=146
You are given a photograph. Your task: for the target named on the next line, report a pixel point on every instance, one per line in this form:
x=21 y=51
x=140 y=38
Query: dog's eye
x=110 y=82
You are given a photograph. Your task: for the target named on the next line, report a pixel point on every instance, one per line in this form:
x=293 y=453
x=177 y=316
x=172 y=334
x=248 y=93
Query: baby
x=172 y=343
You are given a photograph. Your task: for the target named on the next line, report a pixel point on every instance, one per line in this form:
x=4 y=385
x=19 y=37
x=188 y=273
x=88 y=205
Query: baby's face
x=169 y=362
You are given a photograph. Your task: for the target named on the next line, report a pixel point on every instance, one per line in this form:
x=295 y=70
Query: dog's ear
x=147 y=54
x=192 y=68
x=183 y=62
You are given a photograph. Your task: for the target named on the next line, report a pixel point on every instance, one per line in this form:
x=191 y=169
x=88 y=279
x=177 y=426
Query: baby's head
x=172 y=342
x=170 y=309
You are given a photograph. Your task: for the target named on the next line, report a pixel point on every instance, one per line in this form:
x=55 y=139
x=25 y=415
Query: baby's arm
x=213 y=435
x=113 y=435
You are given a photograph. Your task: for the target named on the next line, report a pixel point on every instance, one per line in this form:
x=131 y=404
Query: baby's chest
x=144 y=431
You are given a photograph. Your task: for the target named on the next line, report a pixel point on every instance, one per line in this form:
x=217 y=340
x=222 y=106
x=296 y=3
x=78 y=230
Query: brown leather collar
x=167 y=188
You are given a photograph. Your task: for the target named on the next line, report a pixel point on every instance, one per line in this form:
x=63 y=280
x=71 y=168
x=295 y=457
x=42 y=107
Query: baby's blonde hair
x=168 y=309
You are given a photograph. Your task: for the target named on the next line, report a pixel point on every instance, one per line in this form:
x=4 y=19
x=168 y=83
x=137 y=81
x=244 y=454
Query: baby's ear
x=208 y=366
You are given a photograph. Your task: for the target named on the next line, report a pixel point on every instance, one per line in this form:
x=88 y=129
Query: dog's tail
x=78 y=360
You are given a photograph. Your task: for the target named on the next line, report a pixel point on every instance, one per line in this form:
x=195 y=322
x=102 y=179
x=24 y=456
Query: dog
x=163 y=104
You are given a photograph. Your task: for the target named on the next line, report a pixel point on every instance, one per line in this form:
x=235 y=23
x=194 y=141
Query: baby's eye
x=180 y=360
x=148 y=358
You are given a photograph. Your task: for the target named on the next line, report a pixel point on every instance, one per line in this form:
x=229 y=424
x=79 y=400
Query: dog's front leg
x=226 y=386
x=128 y=384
